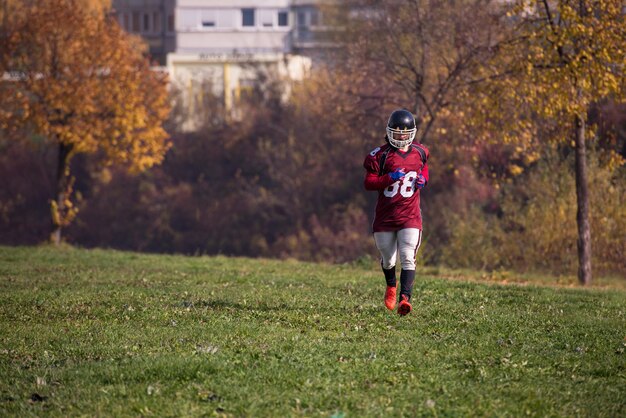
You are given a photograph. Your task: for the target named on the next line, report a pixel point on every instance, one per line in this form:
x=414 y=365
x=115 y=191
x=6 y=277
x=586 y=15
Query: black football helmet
x=401 y=128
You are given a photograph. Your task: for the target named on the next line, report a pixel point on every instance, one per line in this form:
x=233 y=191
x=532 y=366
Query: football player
x=398 y=170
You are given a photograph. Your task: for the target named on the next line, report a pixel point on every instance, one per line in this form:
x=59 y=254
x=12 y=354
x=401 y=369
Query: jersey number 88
x=406 y=186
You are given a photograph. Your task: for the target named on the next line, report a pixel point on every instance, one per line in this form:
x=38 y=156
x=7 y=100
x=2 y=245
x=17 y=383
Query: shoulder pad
x=374 y=151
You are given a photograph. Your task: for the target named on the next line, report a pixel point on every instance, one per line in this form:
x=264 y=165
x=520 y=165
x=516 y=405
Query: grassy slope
x=109 y=333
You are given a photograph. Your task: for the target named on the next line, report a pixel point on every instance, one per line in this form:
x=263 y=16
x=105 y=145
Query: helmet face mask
x=400 y=138
x=401 y=128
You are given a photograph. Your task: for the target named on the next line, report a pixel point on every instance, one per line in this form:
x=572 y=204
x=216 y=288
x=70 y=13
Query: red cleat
x=404 y=307
x=390 y=297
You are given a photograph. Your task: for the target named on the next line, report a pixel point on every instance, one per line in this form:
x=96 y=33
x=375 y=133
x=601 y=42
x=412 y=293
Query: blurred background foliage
x=284 y=177
x=286 y=181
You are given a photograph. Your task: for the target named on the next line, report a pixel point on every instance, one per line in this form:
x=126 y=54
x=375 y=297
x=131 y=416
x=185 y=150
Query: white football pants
x=406 y=241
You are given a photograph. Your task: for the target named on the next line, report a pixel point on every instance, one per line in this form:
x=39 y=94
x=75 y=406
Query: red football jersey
x=398 y=204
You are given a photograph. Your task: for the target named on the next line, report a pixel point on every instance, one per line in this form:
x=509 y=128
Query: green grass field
x=106 y=333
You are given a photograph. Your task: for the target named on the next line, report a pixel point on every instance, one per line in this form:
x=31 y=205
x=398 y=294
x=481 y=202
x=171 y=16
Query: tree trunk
x=62 y=185
x=582 y=199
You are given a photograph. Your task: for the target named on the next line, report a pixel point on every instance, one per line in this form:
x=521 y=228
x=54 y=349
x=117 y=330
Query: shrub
x=536 y=229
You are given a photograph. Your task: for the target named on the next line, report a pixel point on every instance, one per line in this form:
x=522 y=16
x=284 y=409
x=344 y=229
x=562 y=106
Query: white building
x=236 y=26
x=225 y=43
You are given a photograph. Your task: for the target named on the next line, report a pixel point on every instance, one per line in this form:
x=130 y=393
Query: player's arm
x=422 y=178
x=375 y=182
x=425 y=173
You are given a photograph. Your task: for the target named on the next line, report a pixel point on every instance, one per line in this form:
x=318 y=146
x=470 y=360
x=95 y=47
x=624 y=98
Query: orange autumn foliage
x=75 y=78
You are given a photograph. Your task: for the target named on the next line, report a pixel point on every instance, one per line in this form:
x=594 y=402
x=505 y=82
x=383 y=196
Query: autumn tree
x=72 y=76
x=562 y=57
x=412 y=53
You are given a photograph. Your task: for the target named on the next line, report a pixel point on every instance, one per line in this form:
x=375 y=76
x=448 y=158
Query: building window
x=136 y=26
x=301 y=19
x=146 y=22
x=208 y=18
x=247 y=17
x=156 y=21
x=315 y=18
x=283 y=19
x=170 y=23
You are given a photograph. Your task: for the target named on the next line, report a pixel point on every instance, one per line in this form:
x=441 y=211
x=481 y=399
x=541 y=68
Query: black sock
x=390 y=276
x=407 y=277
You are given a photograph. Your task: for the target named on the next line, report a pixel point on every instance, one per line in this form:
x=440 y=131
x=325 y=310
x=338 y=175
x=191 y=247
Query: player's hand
x=420 y=181
x=397 y=174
